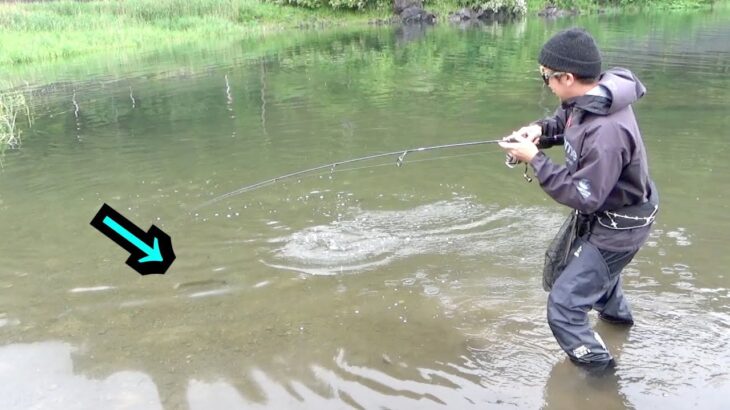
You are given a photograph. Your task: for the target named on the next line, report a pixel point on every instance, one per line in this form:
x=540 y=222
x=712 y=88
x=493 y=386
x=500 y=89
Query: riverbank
x=52 y=30
x=45 y=31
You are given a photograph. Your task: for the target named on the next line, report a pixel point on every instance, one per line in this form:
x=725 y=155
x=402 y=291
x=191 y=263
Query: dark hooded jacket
x=606 y=171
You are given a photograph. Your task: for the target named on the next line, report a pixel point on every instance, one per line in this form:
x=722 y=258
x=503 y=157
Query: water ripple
x=375 y=238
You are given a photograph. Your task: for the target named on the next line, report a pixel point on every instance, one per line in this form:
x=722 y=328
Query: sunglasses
x=547 y=76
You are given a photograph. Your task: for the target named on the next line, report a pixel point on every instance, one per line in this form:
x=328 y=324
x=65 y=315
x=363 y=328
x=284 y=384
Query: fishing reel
x=543 y=143
x=512 y=162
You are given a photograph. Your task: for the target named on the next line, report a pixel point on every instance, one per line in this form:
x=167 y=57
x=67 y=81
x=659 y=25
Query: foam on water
x=373 y=238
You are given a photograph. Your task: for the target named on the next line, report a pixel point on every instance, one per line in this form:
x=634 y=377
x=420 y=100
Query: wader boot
x=590 y=280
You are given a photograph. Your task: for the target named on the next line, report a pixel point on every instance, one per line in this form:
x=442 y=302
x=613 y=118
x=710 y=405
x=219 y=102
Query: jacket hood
x=619 y=89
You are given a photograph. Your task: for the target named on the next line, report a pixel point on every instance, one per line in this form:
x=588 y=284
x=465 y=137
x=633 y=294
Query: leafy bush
x=336 y=4
x=510 y=6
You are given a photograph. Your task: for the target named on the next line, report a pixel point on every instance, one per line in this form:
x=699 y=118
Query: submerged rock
x=411 y=11
x=400 y=5
x=461 y=15
x=407 y=33
x=495 y=10
x=552 y=11
x=417 y=15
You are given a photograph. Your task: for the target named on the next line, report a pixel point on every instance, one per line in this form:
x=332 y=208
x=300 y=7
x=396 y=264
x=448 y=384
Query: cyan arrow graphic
x=151 y=251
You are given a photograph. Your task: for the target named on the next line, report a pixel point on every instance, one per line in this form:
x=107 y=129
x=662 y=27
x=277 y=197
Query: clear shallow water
x=375 y=287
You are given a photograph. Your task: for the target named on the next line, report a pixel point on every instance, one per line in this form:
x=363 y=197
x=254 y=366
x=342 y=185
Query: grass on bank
x=39 y=31
x=52 y=30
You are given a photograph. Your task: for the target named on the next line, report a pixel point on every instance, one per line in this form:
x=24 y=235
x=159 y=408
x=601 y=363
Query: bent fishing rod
x=401 y=154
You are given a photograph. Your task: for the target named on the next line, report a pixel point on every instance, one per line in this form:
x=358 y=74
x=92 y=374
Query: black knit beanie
x=572 y=51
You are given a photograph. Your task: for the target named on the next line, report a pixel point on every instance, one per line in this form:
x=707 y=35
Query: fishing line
x=333 y=167
x=390 y=164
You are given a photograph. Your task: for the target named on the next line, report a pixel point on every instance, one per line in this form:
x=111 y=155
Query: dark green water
x=371 y=287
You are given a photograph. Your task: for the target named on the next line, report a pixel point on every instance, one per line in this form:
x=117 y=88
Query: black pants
x=591 y=280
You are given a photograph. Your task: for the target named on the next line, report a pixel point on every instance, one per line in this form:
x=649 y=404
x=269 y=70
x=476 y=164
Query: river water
x=373 y=286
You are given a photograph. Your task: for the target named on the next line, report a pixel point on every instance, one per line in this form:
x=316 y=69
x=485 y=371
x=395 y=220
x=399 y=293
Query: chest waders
x=581 y=277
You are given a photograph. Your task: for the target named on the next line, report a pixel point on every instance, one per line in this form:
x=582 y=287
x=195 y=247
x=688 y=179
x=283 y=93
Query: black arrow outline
x=163 y=241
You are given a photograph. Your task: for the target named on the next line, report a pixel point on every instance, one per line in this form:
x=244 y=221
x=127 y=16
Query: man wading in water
x=605 y=181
